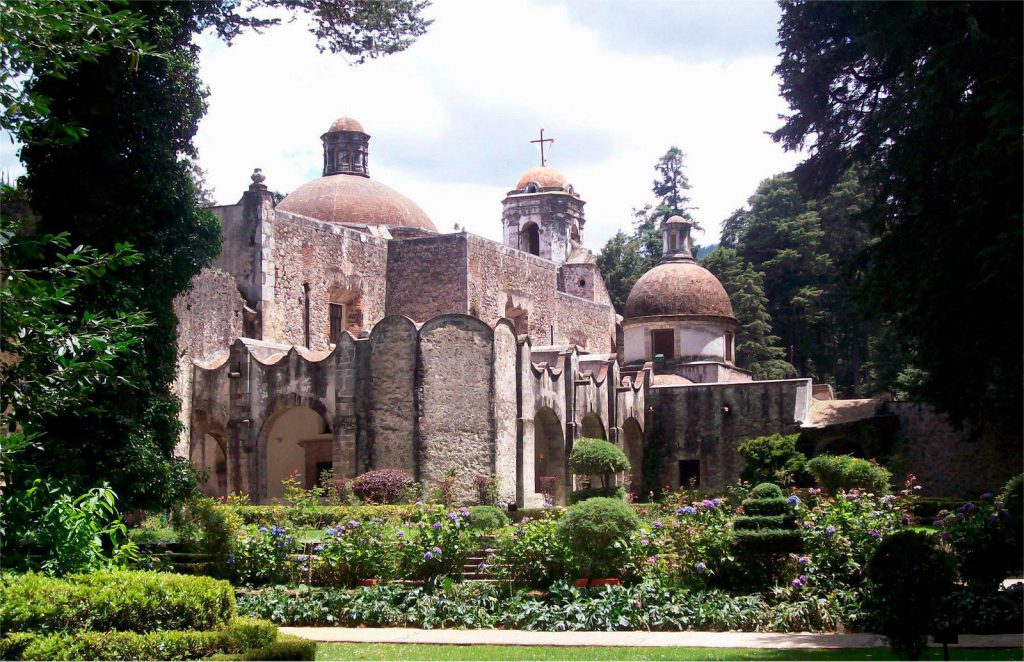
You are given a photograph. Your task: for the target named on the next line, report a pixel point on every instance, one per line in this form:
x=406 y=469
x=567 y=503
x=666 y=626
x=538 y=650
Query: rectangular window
x=337 y=317
x=728 y=347
x=672 y=242
x=663 y=341
x=689 y=473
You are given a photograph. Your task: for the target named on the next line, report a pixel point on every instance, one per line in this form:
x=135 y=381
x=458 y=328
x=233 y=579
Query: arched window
x=531 y=239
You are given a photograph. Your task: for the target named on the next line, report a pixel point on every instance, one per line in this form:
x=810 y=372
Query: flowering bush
x=688 y=545
x=977 y=535
x=382 y=486
x=261 y=556
x=439 y=546
x=532 y=553
x=355 y=550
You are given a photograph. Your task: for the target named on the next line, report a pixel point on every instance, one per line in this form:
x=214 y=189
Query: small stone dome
x=676 y=220
x=345 y=124
x=678 y=288
x=544 y=176
x=355 y=200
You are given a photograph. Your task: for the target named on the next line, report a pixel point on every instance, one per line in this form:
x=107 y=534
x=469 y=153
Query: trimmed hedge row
x=770 y=506
x=242 y=636
x=285 y=647
x=116 y=600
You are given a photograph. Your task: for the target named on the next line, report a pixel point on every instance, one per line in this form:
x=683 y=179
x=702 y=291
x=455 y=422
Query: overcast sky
x=615 y=84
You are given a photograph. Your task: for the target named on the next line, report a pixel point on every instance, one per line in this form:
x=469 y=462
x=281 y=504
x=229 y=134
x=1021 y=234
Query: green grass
x=432 y=652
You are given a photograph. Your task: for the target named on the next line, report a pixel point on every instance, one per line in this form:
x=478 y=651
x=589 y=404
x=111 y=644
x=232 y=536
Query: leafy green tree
x=129 y=179
x=617 y=262
x=926 y=98
x=757 y=348
x=671 y=186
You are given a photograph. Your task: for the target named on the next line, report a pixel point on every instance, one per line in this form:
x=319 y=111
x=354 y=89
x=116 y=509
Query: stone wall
x=707 y=422
x=426 y=277
x=456 y=419
x=333 y=261
x=391 y=401
x=506 y=408
x=964 y=463
x=585 y=323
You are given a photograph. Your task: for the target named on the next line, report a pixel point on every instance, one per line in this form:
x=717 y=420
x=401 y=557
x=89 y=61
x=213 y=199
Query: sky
x=615 y=83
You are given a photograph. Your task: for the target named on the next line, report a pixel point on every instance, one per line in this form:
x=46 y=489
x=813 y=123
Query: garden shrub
x=765 y=507
x=845 y=472
x=261 y=556
x=773 y=458
x=439 y=546
x=766 y=491
x=487 y=518
x=533 y=554
x=320 y=517
x=285 y=647
x=203 y=525
x=487 y=490
x=763 y=537
x=238 y=636
x=119 y=600
x=911 y=579
x=1012 y=499
x=977 y=536
x=355 y=550
x=382 y=486
x=596 y=457
x=597 y=530
x=615 y=492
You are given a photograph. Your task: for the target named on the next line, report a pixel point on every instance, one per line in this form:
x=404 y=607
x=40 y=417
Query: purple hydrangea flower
x=436 y=551
x=453 y=517
x=686 y=510
x=353 y=523
x=303 y=558
x=937 y=522
x=874 y=533
x=656 y=524
x=905 y=520
x=793 y=500
x=830 y=530
x=803 y=579
x=330 y=532
x=803 y=560
x=436 y=525
x=418 y=503
x=988 y=496
x=428 y=556
x=944 y=535
x=797 y=583
x=400 y=534
x=464 y=511
x=318 y=548
x=645 y=542
x=701 y=567
x=717 y=502
x=707 y=503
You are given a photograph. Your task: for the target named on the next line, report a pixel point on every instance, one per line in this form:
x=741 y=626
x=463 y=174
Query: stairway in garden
x=478 y=566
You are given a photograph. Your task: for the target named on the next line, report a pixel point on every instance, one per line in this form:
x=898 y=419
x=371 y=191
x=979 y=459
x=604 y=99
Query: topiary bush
x=122 y=600
x=597 y=530
x=487 y=518
x=911 y=579
x=845 y=472
x=617 y=492
x=765 y=532
x=382 y=486
x=596 y=457
x=774 y=458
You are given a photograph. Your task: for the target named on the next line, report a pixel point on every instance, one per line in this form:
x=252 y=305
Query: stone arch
x=344 y=310
x=208 y=453
x=592 y=427
x=294 y=440
x=529 y=238
x=633 y=446
x=549 y=461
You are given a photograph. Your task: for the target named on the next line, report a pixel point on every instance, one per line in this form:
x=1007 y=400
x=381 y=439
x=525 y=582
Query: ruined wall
x=456 y=424
x=707 y=422
x=505 y=410
x=953 y=462
x=426 y=277
x=584 y=323
x=330 y=259
x=210 y=316
x=391 y=401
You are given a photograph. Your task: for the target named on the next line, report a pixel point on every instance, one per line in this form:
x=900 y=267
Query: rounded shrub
x=845 y=472
x=764 y=534
x=773 y=457
x=597 y=531
x=382 y=486
x=597 y=457
x=766 y=491
x=911 y=578
x=487 y=518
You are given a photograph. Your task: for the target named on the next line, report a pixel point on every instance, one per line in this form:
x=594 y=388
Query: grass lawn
x=432 y=652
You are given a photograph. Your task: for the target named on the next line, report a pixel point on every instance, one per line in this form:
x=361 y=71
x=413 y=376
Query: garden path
x=686 y=639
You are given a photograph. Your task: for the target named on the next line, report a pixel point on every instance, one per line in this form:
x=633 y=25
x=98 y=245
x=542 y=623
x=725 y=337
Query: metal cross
x=543 y=161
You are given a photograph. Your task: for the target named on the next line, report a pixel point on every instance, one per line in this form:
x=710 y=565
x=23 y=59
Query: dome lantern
x=346 y=148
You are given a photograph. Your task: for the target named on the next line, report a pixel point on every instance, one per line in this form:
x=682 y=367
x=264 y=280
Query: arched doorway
x=593 y=428
x=212 y=458
x=529 y=239
x=549 y=455
x=298 y=442
x=633 y=446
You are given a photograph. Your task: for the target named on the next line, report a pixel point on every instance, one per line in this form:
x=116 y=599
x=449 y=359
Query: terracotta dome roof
x=544 y=176
x=356 y=200
x=676 y=220
x=678 y=288
x=345 y=124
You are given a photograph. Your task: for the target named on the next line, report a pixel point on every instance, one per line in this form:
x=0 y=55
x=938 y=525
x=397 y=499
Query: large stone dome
x=543 y=176
x=356 y=200
x=678 y=288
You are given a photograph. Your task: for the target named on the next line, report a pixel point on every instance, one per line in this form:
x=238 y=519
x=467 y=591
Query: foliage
x=382 y=485
x=204 y=526
x=487 y=518
x=615 y=492
x=1012 y=498
x=355 y=550
x=445 y=490
x=980 y=539
x=487 y=492
x=845 y=472
x=911 y=578
x=596 y=530
x=285 y=647
x=873 y=85
x=235 y=637
x=772 y=458
x=319 y=517
x=261 y=556
x=598 y=457
x=532 y=553
x=120 y=600
x=762 y=539
x=757 y=347
x=439 y=546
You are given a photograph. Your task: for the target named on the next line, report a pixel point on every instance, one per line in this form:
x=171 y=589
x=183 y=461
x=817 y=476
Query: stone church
x=340 y=330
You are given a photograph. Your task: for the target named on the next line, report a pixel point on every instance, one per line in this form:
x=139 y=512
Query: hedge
x=774 y=506
x=117 y=600
x=578 y=496
x=321 y=516
x=286 y=647
x=769 y=541
x=845 y=472
x=240 y=636
x=762 y=522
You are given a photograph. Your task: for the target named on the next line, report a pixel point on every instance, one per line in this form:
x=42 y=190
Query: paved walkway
x=689 y=639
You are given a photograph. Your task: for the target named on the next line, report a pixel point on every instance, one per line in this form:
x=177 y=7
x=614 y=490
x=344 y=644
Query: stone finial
x=257 y=178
